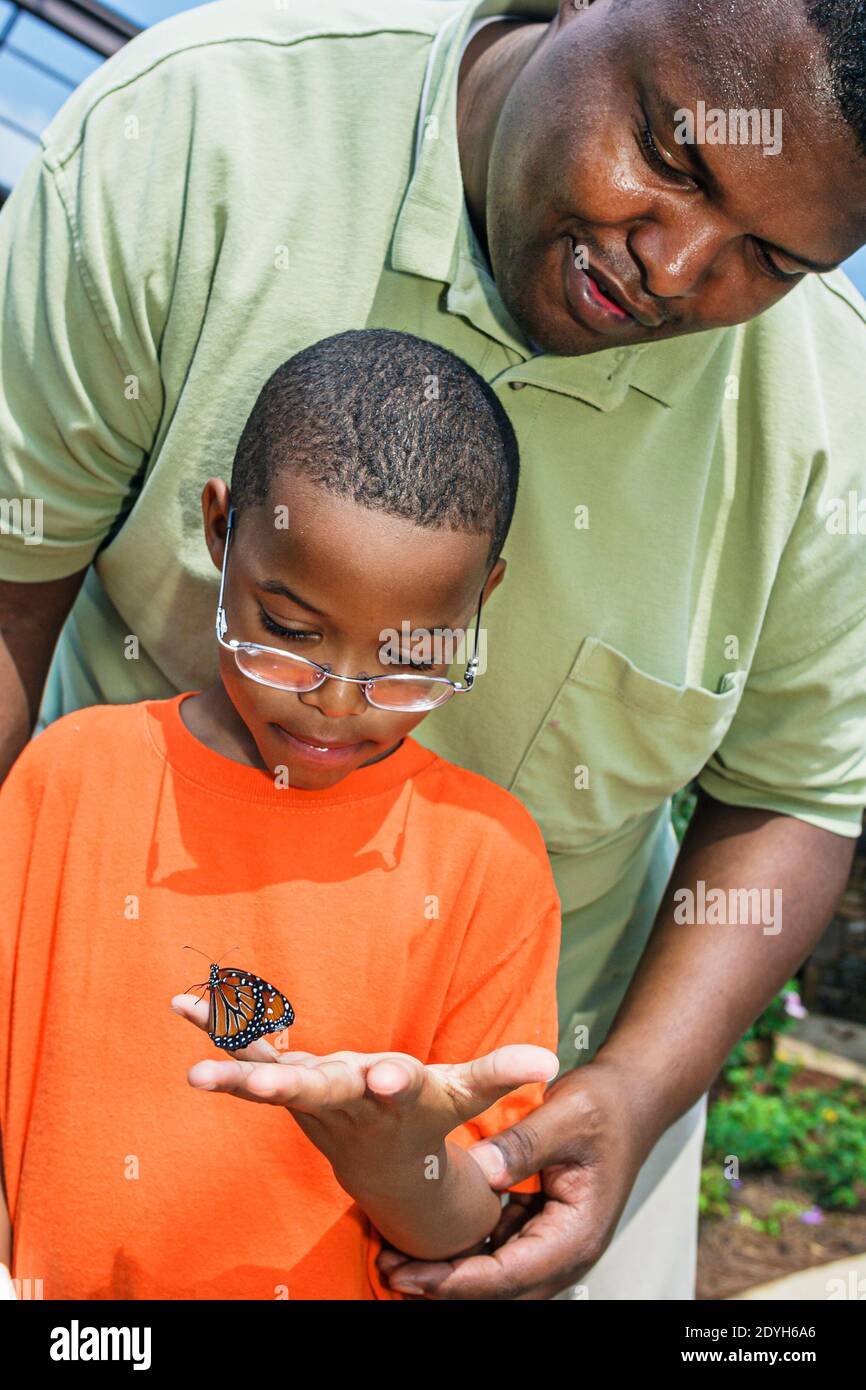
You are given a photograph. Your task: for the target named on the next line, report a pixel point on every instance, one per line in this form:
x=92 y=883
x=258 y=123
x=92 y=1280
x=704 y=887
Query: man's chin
x=548 y=327
x=558 y=333
x=545 y=318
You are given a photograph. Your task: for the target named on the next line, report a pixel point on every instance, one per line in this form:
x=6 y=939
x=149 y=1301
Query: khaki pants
x=653 y=1254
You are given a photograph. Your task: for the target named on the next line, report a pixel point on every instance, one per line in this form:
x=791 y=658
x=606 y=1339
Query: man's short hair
x=842 y=25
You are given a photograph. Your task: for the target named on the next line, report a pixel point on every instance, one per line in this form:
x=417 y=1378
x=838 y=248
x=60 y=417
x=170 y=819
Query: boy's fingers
x=343 y=1077
x=300 y=1079
x=235 y=1077
x=473 y=1086
x=197 y=1011
x=395 y=1076
x=191 y=1007
x=309 y=1085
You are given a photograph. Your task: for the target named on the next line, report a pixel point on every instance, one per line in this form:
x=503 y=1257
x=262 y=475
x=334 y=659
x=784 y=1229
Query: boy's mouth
x=317 y=751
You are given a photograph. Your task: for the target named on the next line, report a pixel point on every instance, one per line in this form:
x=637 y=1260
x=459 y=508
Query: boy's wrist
x=431 y=1206
x=383 y=1171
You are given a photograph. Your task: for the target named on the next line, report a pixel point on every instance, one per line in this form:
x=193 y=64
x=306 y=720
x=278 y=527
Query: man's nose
x=336 y=699
x=678 y=252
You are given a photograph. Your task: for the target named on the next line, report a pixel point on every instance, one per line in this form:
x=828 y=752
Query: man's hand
x=588 y=1140
x=381 y=1120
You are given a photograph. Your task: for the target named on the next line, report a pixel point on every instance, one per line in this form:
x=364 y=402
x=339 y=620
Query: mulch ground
x=732 y=1258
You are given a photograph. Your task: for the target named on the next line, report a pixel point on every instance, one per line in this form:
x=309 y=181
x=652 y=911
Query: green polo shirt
x=684 y=595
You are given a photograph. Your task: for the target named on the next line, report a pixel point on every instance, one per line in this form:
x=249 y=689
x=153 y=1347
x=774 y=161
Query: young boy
x=404 y=906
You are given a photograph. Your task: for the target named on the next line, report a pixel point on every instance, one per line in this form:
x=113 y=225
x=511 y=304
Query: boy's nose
x=336 y=699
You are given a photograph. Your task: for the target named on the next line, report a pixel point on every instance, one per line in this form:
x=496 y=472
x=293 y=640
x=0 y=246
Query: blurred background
x=783 y=1191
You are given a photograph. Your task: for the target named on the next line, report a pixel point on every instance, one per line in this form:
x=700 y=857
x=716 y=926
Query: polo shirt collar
x=433 y=238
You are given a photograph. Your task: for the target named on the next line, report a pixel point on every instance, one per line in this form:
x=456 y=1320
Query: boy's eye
x=271 y=625
x=297 y=635
x=417 y=665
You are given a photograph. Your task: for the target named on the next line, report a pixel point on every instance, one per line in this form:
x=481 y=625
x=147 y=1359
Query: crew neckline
x=177 y=746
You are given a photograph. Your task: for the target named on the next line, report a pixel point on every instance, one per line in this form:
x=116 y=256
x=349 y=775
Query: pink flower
x=813 y=1217
x=794 y=1005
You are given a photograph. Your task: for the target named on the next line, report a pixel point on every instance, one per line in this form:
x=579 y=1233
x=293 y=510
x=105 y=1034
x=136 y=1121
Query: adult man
x=233 y=186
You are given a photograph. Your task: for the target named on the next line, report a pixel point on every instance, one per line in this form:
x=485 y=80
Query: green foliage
x=683 y=804
x=774 y=1020
x=760 y=1130
x=833 y=1156
x=820 y=1135
x=714 y=1198
x=771 y=1224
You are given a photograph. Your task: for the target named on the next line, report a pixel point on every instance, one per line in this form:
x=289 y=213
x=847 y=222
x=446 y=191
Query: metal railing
x=96 y=26
x=90 y=23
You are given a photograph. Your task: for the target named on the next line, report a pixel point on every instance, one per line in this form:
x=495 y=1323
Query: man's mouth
x=594 y=295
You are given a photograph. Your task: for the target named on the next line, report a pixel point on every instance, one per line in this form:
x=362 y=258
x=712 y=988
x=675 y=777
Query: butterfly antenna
x=195 y=948
x=228 y=952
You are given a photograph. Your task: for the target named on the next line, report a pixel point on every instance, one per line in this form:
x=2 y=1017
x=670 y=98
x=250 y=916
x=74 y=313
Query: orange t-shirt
x=410 y=908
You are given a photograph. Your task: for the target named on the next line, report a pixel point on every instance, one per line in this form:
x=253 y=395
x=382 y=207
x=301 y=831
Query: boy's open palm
x=359 y=1101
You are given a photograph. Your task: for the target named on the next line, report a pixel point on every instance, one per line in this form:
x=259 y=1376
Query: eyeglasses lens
x=409 y=694
x=284 y=672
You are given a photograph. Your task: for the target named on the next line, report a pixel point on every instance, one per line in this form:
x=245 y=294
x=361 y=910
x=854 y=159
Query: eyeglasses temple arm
x=221 y=624
x=469 y=674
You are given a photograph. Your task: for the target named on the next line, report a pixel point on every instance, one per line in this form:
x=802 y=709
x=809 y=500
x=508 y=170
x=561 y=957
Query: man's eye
x=654 y=158
x=769 y=265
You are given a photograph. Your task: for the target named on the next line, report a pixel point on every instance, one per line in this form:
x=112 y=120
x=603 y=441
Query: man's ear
x=495 y=578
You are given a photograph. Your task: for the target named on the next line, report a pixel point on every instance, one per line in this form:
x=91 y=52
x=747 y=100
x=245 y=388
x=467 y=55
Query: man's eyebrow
x=275 y=586
x=668 y=110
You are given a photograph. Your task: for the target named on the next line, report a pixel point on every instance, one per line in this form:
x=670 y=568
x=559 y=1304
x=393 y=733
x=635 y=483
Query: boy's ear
x=215 y=504
x=494 y=579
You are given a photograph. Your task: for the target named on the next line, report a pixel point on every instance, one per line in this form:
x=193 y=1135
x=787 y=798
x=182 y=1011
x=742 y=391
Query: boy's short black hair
x=391 y=421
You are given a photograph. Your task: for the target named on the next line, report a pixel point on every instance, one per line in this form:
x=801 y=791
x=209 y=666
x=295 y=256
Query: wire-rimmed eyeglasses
x=282 y=670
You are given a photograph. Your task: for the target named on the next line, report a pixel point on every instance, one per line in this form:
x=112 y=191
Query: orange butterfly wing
x=244 y=1007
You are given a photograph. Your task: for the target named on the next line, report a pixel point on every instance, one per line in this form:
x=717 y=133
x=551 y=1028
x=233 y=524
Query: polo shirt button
x=517 y=385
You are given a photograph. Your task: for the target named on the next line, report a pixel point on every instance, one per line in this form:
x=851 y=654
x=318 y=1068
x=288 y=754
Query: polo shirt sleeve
x=80 y=392
x=797 y=743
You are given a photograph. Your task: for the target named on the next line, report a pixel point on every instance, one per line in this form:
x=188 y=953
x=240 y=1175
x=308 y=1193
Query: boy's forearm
x=433 y=1207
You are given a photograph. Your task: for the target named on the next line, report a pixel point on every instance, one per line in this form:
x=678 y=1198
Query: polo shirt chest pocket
x=615 y=743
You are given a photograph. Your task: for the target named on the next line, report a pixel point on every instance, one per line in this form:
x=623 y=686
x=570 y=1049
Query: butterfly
x=243 y=1007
